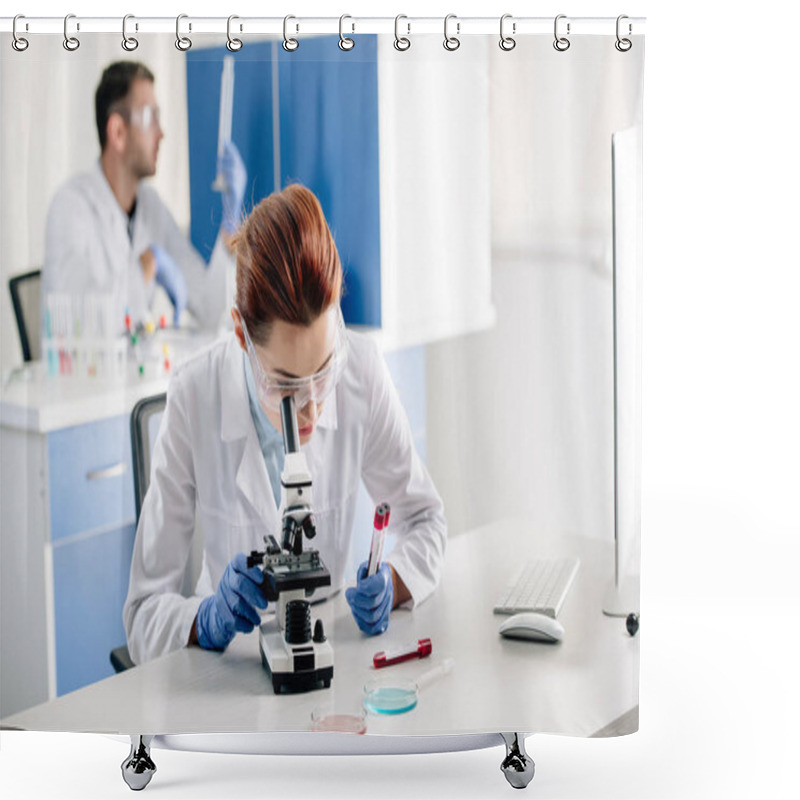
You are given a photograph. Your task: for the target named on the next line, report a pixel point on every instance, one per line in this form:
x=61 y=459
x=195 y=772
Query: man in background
x=108 y=232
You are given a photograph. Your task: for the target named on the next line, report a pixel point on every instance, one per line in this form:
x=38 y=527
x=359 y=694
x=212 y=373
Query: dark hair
x=287 y=265
x=113 y=89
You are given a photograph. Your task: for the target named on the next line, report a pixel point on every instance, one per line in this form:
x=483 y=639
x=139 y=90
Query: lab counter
x=33 y=400
x=576 y=687
x=67 y=519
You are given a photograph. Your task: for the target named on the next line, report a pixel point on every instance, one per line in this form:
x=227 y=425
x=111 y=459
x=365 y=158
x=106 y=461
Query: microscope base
x=295 y=667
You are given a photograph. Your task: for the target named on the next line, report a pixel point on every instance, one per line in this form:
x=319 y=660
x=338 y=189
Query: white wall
x=46 y=90
x=520 y=417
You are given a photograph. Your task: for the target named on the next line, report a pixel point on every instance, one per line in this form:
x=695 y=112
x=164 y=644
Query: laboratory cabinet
x=68 y=527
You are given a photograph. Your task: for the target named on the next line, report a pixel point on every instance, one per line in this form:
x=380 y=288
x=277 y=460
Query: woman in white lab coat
x=216 y=464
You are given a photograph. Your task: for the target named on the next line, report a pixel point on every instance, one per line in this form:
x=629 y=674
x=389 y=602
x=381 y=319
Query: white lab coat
x=87 y=249
x=208 y=473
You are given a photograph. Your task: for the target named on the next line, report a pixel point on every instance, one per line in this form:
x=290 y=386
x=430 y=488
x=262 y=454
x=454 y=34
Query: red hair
x=287 y=265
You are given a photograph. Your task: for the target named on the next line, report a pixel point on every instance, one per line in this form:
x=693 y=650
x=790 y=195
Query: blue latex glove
x=233 y=607
x=371 y=599
x=170 y=277
x=232 y=169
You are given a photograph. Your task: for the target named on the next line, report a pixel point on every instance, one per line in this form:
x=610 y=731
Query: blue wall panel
x=251 y=131
x=328 y=111
x=329 y=142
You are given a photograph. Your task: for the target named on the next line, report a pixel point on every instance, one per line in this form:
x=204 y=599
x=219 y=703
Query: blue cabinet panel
x=81 y=498
x=327 y=107
x=90 y=584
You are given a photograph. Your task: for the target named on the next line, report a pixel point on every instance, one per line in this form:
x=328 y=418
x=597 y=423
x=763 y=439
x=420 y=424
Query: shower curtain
x=485 y=202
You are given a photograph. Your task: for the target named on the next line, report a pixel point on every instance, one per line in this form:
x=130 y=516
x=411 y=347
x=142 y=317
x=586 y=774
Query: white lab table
x=576 y=687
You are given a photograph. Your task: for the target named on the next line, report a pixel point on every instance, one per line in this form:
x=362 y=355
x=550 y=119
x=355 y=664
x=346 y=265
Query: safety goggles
x=314 y=388
x=143 y=117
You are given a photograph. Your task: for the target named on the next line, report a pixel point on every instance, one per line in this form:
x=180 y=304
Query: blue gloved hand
x=371 y=599
x=232 y=169
x=233 y=607
x=170 y=277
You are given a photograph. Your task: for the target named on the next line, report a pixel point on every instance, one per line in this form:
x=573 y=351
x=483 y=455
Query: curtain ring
x=71 y=43
x=623 y=45
x=507 y=43
x=233 y=44
x=401 y=43
x=128 y=42
x=451 y=43
x=183 y=43
x=18 y=42
x=561 y=43
x=345 y=43
x=290 y=45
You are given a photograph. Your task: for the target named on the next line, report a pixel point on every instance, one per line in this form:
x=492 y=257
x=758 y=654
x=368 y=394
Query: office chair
x=145 y=419
x=26 y=292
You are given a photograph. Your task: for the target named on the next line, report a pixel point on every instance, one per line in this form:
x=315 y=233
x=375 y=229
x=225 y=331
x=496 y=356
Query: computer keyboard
x=542 y=586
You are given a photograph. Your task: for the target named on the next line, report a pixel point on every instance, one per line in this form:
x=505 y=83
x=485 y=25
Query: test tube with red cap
x=378 y=532
x=419 y=649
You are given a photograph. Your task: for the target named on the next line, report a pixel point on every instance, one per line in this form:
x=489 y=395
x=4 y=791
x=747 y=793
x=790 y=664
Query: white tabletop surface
x=575 y=687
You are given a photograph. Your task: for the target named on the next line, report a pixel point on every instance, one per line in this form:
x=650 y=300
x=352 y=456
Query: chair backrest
x=145 y=419
x=26 y=291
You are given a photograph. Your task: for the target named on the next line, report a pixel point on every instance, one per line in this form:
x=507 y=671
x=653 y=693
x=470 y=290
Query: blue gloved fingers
x=239 y=563
x=238 y=604
x=248 y=581
x=171 y=278
x=363 y=602
x=212 y=631
x=372 y=614
x=374 y=624
x=244 y=624
x=375 y=584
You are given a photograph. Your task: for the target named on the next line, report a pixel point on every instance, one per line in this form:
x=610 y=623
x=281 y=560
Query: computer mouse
x=533 y=626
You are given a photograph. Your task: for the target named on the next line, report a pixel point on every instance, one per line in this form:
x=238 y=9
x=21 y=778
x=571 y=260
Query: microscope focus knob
x=319 y=632
x=309 y=528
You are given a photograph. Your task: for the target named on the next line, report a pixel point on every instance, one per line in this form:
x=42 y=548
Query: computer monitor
x=622 y=596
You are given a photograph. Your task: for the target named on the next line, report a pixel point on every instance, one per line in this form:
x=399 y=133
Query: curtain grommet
x=401 y=43
x=507 y=43
x=623 y=44
x=183 y=43
x=451 y=43
x=289 y=44
x=71 y=43
x=19 y=43
x=129 y=43
x=233 y=44
x=561 y=43
x=345 y=43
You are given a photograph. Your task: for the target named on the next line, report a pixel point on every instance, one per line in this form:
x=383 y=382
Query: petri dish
x=326 y=720
x=387 y=696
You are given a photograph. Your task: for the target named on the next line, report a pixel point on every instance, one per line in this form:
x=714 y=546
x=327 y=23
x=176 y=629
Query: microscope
x=296 y=659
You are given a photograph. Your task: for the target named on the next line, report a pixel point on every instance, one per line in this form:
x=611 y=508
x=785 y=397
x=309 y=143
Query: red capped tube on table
x=419 y=649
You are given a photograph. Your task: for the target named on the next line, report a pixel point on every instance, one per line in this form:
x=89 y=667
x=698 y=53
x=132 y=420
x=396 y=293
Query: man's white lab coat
x=208 y=473
x=88 y=249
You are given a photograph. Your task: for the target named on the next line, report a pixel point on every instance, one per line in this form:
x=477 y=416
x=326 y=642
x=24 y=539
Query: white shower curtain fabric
x=489 y=235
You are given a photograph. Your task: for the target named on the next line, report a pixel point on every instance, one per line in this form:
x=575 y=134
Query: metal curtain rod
x=460 y=26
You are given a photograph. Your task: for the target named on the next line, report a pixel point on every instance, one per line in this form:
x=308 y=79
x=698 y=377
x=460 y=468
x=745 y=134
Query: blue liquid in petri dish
x=390 y=699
